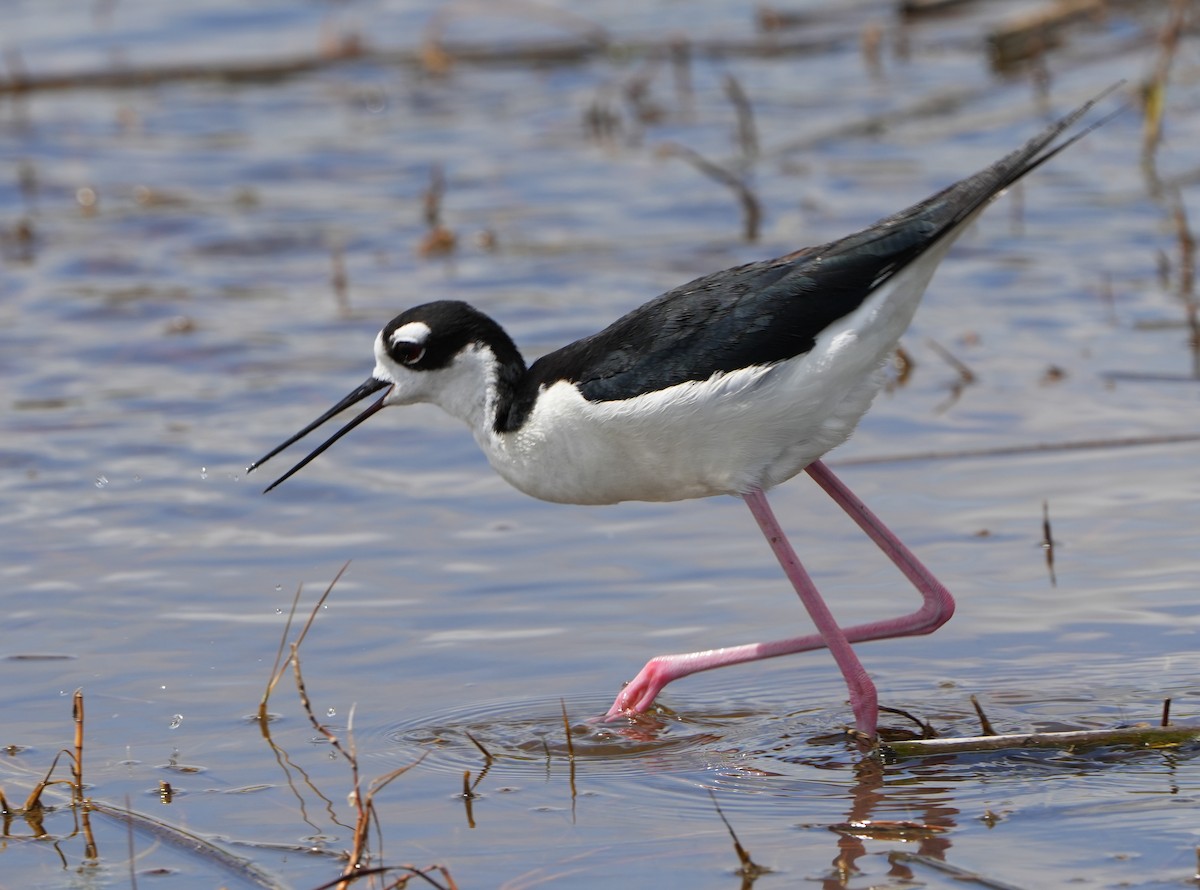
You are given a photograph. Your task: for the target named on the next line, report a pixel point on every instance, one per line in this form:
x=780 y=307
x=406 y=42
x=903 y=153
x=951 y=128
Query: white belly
x=741 y=431
x=730 y=434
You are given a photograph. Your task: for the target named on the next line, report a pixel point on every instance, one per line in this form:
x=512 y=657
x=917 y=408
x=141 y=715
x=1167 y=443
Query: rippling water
x=168 y=311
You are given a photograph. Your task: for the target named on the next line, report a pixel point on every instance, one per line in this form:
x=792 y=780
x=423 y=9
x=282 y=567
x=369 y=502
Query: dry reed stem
x=364 y=802
x=280 y=666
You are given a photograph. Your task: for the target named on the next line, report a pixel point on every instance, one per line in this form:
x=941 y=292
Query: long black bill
x=370 y=386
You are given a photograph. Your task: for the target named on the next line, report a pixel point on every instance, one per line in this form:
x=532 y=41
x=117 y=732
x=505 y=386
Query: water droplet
x=176 y=721
x=278 y=588
x=204 y=472
x=101 y=481
x=137 y=477
x=332 y=712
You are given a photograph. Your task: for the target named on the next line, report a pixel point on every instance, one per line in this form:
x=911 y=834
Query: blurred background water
x=207 y=210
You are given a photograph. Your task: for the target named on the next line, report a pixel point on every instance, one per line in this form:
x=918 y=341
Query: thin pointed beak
x=371 y=385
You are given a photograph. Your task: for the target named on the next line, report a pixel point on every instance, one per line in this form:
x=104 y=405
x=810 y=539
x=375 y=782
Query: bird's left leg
x=936 y=608
x=863 y=698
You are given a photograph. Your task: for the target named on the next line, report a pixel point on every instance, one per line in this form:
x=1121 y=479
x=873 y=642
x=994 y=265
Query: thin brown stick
x=1165 y=720
x=985 y=725
x=570 y=755
x=747 y=132
x=567 y=730
x=1154 y=92
x=927 y=730
x=280 y=666
x=1187 y=280
x=749 y=868
x=487 y=755
x=77 y=760
x=1048 y=543
x=965 y=375
x=751 y=209
x=412 y=870
x=34 y=801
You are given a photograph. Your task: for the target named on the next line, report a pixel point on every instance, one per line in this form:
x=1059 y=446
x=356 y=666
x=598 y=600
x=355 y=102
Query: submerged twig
x=193 y=844
x=959 y=874
x=927 y=730
x=1132 y=736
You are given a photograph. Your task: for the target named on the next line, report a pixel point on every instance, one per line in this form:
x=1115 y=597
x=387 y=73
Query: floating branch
x=1133 y=736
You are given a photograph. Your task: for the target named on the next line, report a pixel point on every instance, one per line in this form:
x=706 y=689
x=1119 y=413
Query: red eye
x=407 y=353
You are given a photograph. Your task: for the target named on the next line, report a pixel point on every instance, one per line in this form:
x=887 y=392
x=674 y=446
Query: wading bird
x=728 y=385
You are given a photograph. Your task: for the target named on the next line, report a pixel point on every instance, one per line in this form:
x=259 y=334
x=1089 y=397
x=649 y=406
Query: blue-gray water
x=155 y=342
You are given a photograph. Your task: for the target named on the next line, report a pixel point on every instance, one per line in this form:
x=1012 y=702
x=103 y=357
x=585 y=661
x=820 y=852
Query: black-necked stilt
x=730 y=384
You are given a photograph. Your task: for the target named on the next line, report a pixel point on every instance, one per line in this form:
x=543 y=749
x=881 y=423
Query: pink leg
x=936 y=609
x=863 y=700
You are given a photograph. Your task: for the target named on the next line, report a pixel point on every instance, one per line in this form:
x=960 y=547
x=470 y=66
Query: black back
x=768 y=311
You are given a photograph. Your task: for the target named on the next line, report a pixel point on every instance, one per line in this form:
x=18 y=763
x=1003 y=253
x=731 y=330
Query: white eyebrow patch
x=413 y=332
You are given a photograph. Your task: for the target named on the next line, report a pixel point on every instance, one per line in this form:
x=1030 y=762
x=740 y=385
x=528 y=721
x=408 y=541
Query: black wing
x=769 y=311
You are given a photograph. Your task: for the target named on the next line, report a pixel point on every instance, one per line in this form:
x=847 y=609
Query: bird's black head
x=431 y=336
x=445 y=352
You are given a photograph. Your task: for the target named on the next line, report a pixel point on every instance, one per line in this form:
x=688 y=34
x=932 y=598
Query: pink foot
x=640 y=692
